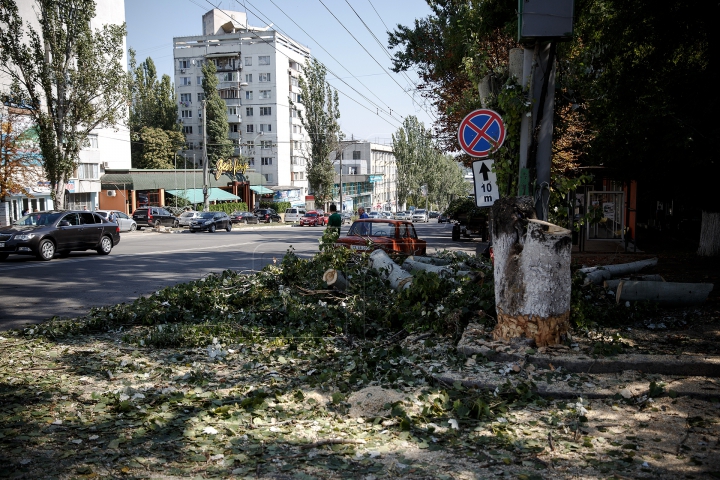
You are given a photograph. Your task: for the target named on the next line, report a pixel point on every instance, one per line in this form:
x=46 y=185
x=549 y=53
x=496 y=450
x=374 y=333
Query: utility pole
x=206 y=197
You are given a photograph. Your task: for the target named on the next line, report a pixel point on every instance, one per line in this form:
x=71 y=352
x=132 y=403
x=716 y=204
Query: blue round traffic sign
x=481 y=132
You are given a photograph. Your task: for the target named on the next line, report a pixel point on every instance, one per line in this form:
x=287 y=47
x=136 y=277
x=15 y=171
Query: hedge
x=229 y=207
x=279 y=207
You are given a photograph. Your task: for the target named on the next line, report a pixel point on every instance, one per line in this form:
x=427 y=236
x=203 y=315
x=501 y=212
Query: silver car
x=124 y=221
x=186 y=217
x=403 y=216
x=420 y=215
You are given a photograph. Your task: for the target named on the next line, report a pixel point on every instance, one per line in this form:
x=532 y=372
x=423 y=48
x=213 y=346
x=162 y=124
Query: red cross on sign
x=481 y=133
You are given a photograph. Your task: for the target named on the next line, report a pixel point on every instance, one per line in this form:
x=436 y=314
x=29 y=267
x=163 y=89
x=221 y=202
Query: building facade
x=258 y=71
x=108 y=148
x=368 y=173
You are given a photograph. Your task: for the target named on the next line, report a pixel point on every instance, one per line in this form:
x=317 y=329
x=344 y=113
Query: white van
x=294 y=214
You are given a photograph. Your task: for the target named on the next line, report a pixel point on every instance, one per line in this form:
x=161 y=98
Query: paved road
x=143 y=262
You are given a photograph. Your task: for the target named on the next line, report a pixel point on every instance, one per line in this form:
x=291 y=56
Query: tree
x=153 y=117
x=219 y=146
x=445 y=181
x=72 y=76
x=413 y=150
x=320 y=118
x=20 y=162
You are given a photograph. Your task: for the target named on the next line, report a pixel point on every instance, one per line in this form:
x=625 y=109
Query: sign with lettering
x=486 y=191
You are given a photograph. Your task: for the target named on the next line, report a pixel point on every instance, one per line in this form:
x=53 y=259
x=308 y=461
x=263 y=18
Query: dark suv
x=45 y=234
x=267 y=215
x=154 y=217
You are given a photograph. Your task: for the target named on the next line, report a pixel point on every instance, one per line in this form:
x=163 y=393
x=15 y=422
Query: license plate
x=2 y=244
x=359 y=247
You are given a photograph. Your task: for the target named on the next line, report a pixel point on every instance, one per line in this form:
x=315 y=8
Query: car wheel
x=106 y=246
x=3 y=256
x=229 y=227
x=211 y=228
x=46 y=250
x=158 y=223
x=133 y=227
x=192 y=231
x=176 y=223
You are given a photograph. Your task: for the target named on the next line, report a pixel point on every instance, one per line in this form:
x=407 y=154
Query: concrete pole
x=545 y=95
x=526 y=123
x=206 y=196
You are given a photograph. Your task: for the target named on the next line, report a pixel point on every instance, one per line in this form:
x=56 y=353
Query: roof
x=195 y=195
x=260 y=189
x=140 y=179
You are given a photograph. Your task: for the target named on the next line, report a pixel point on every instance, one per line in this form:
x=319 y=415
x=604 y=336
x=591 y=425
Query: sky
x=358 y=66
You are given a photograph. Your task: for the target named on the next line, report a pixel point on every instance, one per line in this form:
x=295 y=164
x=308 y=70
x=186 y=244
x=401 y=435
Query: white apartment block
x=109 y=148
x=368 y=175
x=258 y=70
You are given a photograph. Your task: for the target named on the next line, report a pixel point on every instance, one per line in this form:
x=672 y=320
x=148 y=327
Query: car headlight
x=24 y=236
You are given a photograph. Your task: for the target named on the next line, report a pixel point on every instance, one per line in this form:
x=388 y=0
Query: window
x=199 y=80
x=184 y=64
x=356 y=155
x=249 y=111
x=88 y=171
x=264 y=111
x=250 y=128
x=300 y=161
x=294 y=113
x=248 y=61
x=92 y=140
x=296 y=144
x=264 y=94
x=186 y=113
x=264 y=77
x=186 y=81
x=352 y=170
x=268 y=177
x=264 y=60
x=234 y=128
x=298 y=175
x=294 y=82
x=251 y=162
x=186 y=97
x=266 y=161
x=187 y=129
x=248 y=77
x=201 y=96
x=248 y=95
x=266 y=127
x=232 y=110
x=297 y=128
x=266 y=144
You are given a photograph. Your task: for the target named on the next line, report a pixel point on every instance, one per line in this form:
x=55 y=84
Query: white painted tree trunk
x=663 y=293
x=710 y=235
x=613 y=284
x=596 y=275
x=399 y=279
x=532 y=274
x=446 y=272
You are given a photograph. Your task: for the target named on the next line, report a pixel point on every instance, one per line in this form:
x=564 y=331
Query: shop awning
x=195 y=195
x=260 y=189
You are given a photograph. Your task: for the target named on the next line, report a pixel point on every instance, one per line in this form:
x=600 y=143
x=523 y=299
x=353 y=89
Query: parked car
x=420 y=215
x=433 y=214
x=154 y=217
x=443 y=218
x=186 y=217
x=211 y=221
x=267 y=215
x=406 y=215
x=45 y=234
x=393 y=236
x=294 y=214
x=387 y=215
x=374 y=215
x=313 y=218
x=243 y=217
x=125 y=223
x=347 y=218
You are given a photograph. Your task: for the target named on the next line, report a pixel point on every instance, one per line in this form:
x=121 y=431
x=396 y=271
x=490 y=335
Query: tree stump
x=532 y=274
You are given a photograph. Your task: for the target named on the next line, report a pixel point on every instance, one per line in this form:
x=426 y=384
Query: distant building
x=258 y=69
x=109 y=147
x=369 y=177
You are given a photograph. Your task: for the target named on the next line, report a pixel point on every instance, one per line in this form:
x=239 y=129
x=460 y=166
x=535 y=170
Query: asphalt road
x=33 y=291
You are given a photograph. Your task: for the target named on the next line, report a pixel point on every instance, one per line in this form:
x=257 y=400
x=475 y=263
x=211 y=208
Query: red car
x=393 y=236
x=313 y=218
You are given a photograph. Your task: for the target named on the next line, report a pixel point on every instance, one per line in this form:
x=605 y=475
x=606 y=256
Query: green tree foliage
x=20 y=166
x=73 y=77
x=219 y=146
x=445 y=180
x=153 y=117
x=320 y=118
x=415 y=156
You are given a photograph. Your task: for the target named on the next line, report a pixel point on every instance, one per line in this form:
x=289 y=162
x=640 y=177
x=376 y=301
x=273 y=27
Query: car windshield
x=311 y=214
x=187 y=214
x=419 y=212
x=38 y=219
x=208 y=215
x=371 y=229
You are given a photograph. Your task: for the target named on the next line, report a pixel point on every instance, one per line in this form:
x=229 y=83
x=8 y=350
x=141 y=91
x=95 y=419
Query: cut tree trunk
x=613 y=284
x=597 y=275
x=443 y=271
x=532 y=274
x=663 y=293
x=430 y=260
x=399 y=279
x=335 y=278
x=710 y=235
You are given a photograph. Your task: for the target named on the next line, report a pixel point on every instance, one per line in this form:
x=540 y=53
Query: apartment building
x=368 y=172
x=258 y=70
x=108 y=148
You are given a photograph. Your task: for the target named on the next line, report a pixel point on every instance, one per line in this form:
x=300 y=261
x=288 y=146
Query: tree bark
x=663 y=293
x=710 y=235
x=532 y=274
x=596 y=275
x=442 y=271
x=399 y=279
x=613 y=284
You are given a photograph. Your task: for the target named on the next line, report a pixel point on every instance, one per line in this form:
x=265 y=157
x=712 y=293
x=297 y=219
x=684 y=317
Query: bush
x=229 y=207
x=277 y=206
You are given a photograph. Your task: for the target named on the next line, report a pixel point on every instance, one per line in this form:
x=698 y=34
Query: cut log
x=663 y=293
x=336 y=279
x=613 y=284
x=532 y=274
x=430 y=260
x=399 y=279
x=597 y=275
x=443 y=271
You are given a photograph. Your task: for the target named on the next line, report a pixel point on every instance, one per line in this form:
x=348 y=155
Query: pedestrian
x=361 y=213
x=25 y=212
x=112 y=217
x=335 y=219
